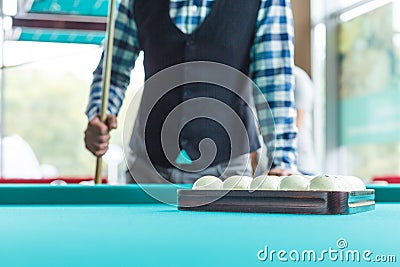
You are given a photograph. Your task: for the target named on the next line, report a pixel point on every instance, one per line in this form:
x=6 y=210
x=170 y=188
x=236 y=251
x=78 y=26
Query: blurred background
x=49 y=49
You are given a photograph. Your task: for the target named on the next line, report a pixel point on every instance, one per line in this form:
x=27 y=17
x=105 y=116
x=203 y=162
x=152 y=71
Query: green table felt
x=79 y=194
x=159 y=235
x=386 y=193
x=128 y=194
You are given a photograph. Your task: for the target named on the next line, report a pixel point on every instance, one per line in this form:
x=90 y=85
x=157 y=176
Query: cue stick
x=107 y=63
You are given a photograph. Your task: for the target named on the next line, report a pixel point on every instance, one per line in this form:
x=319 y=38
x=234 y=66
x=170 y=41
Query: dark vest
x=225 y=36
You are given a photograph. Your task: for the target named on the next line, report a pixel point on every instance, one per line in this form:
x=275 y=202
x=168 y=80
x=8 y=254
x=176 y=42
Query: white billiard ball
x=237 y=182
x=207 y=182
x=356 y=183
x=325 y=183
x=294 y=182
x=309 y=177
x=346 y=185
x=264 y=182
x=58 y=182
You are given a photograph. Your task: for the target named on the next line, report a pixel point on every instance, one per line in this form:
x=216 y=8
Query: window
x=46 y=93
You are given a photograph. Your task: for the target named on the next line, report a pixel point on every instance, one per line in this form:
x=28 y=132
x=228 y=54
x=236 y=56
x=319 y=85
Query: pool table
x=77 y=225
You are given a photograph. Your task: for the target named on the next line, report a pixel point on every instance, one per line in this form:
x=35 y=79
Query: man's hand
x=97 y=134
x=280 y=172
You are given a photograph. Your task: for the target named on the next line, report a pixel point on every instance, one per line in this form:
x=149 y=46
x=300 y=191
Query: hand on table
x=97 y=134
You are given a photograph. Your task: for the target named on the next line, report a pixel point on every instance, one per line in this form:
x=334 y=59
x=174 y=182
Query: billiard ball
x=294 y=182
x=264 y=182
x=325 y=183
x=356 y=183
x=207 y=183
x=237 y=182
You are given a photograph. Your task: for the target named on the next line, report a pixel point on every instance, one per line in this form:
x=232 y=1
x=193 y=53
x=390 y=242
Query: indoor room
x=184 y=132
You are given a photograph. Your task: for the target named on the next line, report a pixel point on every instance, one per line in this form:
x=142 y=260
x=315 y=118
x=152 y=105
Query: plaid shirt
x=270 y=68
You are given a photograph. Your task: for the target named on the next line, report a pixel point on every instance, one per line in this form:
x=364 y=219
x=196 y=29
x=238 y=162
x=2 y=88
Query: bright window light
x=396 y=20
x=363 y=9
x=10 y=7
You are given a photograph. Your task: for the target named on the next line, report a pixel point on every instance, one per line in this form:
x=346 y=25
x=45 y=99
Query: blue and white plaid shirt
x=271 y=67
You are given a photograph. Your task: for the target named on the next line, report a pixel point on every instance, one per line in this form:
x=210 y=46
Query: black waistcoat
x=226 y=37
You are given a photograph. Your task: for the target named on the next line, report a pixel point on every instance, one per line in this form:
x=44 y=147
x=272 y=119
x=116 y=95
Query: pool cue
x=107 y=63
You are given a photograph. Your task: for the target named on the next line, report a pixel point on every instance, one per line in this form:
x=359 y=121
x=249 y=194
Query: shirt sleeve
x=304 y=90
x=271 y=69
x=125 y=52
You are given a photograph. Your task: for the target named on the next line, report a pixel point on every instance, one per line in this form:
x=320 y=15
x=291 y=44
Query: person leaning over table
x=253 y=36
